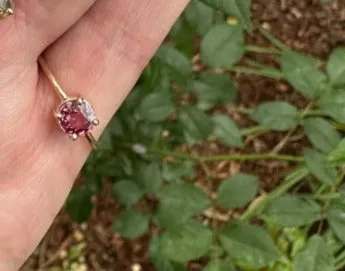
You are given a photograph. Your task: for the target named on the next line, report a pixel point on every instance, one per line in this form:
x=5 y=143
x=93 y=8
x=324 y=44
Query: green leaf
x=279 y=116
x=127 y=192
x=197 y=125
x=237 y=191
x=317 y=256
x=338 y=154
x=321 y=134
x=149 y=177
x=188 y=242
x=220 y=265
x=173 y=172
x=131 y=224
x=182 y=35
x=179 y=202
x=236 y=8
x=156 y=106
x=292 y=211
x=79 y=205
x=249 y=245
x=319 y=166
x=222 y=46
x=227 y=132
x=336 y=217
x=302 y=73
x=199 y=16
x=158 y=261
x=333 y=105
x=213 y=89
x=105 y=141
x=176 y=63
x=336 y=67
x=154 y=78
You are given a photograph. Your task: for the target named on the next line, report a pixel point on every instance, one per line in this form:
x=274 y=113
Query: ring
x=6 y=8
x=75 y=116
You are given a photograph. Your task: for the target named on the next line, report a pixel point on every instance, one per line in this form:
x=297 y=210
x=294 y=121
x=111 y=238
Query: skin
x=96 y=49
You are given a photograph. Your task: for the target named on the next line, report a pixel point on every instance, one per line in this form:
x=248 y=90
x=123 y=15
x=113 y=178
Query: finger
x=100 y=58
x=35 y=25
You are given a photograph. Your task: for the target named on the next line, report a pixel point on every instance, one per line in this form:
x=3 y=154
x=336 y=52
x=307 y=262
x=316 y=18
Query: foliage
x=183 y=102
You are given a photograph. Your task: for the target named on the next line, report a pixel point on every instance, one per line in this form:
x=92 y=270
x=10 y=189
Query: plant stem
x=254 y=130
x=241 y=109
x=290 y=181
x=320 y=190
x=165 y=153
x=228 y=157
x=270 y=37
x=338 y=126
x=313 y=113
x=340 y=260
x=327 y=197
x=269 y=72
x=255 y=64
x=224 y=157
x=263 y=50
x=247 y=157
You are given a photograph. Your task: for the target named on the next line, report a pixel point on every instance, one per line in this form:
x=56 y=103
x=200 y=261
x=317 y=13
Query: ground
x=305 y=25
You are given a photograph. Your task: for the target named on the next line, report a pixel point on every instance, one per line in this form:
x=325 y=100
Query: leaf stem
x=229 y=157
x=269 y=72
x=262 y=50
x=271 y=38
x=340 y=260
x=259 y=129
x=290 y=181
x=208 y=158
x=313 y=113
x=248 y=157
x=327 y=197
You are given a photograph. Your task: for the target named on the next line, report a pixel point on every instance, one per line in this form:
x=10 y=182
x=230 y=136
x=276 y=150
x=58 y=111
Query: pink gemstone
x=76 y=116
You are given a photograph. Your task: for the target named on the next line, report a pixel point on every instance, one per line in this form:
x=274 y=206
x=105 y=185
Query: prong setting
x=6 y=8
x=76 y=117
x=5 y=13
x=95 y=122
x=59 y=116
x=74 y=137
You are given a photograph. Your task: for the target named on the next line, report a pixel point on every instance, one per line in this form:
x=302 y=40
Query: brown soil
x=305 y=25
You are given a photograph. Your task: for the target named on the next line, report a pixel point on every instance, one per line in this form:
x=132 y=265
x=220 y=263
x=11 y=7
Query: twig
x=94 y=263
x=213 y=215
x=43 y=250
x=56 y=255
x=282 y=143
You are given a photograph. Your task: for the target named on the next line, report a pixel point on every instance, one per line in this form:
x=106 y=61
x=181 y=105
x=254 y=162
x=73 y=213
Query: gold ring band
x=75 y=116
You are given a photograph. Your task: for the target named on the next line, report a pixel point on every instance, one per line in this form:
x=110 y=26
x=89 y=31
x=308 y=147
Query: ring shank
x=62 y=94
x=92 y=141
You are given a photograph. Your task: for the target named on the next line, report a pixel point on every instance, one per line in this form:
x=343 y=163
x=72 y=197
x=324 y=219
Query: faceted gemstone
x=76 y=116
x=6 y=8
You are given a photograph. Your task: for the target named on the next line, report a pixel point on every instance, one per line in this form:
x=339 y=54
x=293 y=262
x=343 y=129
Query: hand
x=96 y=49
